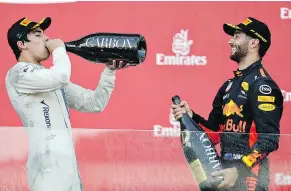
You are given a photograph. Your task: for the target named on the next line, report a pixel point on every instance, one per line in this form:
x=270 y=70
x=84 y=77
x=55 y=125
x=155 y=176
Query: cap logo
x=247 y=21
x=25 y=22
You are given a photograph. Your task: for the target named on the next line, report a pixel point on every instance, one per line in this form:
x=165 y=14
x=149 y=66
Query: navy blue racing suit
x=247 y=109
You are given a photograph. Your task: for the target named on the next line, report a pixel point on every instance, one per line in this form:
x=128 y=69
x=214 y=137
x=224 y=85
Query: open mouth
x=233 y=49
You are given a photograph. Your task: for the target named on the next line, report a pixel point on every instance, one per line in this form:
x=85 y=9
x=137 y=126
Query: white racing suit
x=41 y=98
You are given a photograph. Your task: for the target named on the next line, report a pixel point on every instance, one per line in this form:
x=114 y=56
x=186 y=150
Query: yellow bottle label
x=198 y=171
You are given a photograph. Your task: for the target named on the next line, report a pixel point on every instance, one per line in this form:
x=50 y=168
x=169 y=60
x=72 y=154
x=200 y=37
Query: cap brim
x=43 y=24
x=230 y=28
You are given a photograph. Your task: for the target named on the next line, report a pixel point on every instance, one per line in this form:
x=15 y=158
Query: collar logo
x=238 y=73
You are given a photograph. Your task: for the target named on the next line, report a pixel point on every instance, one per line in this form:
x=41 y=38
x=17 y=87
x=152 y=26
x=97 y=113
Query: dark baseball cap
x=23 y=27
x=252 y=27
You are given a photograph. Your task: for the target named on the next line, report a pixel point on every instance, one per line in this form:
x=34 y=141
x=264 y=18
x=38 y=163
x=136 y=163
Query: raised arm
x=267 y=108
x=87 y=100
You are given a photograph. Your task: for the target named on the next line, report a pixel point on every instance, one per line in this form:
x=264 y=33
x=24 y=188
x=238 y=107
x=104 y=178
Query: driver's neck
x=247 y=61
x=28 y=58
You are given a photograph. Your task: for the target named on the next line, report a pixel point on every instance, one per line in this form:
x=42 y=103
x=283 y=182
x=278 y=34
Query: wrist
x=190 y=113
x=109 y=71
x=110 y=68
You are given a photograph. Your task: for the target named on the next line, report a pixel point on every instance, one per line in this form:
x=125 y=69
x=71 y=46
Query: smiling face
x=240 y=44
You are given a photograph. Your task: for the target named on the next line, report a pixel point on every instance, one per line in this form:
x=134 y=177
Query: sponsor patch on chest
x=265 y=89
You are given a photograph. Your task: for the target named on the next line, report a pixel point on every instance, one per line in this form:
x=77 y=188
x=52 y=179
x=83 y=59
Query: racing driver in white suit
x=41 y=97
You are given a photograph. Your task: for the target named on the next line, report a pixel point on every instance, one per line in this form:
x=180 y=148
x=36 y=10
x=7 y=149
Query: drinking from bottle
x=105 y=47
x=199 y=151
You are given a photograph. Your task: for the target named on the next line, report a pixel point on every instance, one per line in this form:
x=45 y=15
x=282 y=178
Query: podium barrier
x=126 y=160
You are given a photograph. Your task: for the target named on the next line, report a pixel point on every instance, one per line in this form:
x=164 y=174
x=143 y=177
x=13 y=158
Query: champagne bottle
x=105 y=47
x=199 y=152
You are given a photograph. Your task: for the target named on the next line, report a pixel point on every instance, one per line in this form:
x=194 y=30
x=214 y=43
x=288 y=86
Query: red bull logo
x=232 y=126
x=231 y=108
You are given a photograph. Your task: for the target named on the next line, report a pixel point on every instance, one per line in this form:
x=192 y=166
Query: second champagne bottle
x=199 y=152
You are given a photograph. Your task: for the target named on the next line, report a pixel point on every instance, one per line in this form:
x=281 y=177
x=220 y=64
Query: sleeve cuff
x=108 y=72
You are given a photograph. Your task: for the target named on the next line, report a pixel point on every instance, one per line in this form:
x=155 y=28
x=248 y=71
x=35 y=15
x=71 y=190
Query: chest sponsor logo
x=266 y=107
x=266 y=99
x=231 y=108
x=46 y=110
x=231 y=126
x=265 y=89
x=245 y=86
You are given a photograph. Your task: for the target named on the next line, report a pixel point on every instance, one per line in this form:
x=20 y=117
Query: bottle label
x=197 y=171
x=204 y=149
x=210 y=151
x=111 y=42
